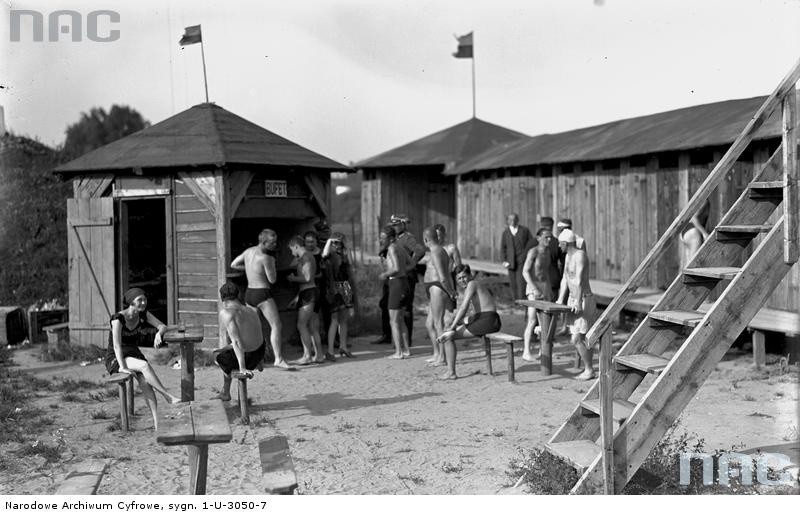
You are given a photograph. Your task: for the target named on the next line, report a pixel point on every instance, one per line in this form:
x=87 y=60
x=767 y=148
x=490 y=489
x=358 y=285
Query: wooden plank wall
x=196 y=263
x=621 y=209
x=370 y=210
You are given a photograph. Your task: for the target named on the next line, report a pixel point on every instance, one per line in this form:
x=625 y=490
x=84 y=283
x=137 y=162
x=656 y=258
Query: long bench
x=767 y=319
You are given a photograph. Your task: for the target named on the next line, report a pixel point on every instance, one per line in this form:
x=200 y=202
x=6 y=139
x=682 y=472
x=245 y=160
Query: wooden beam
x=223 y=229
x=203 y=187
x=317 y=190
x=695 y=204
x=606 y=412
x=239 y=182
x=791 y=188
x=759 y=349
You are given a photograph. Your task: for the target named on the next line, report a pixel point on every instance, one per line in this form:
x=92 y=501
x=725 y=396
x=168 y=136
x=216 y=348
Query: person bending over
x=484 y=321
x=242 y=347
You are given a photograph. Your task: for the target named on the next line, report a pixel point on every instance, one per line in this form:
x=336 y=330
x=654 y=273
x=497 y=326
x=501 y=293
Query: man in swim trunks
x=258 y=263
x=536 y=272
x=441 y=293
x=484 y=321
x=407 y=242
x=396 y=274
x=306 y=301
x=575 y=282
x=243 y=346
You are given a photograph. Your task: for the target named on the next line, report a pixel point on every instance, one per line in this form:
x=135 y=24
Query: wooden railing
x=783 y=95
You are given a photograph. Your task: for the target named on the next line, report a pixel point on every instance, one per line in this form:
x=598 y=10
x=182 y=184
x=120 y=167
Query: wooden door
x=92 y=288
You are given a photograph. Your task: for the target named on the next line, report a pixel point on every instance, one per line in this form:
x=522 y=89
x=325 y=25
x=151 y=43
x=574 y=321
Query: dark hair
x=543 y=229
x=229 y=291
x=297 y=241
x=310 y=233
x=130 y=295
x=389 y=231
x=431 y=234
x=462 y=268
x=440 y=228
x=547 y=220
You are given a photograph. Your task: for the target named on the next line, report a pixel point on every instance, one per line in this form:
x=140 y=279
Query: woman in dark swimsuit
x=131 y=328
x=340 y=288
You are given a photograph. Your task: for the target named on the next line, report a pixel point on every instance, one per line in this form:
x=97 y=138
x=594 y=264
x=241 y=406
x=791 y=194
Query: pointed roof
x=203 y=135
x=445 y=147
x=705 y=125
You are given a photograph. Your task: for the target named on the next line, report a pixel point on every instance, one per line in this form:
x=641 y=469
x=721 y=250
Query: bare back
x=481 y=297
x=242 y=322
x=438 y=265
x=397 y=259
x=256 y=265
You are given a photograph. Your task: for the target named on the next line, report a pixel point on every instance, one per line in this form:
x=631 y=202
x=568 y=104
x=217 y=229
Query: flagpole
x=473 y=85
x=205 y=80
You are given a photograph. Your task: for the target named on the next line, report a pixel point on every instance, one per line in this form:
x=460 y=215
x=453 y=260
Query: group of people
x=552 y=266
x=325 y=294
x=401 y=253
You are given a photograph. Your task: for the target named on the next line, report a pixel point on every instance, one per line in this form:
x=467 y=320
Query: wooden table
x=545 y=311
x=196 y=425
x=186 y=339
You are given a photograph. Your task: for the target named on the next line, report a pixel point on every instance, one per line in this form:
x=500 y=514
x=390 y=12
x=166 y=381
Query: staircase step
x=620 y=411
x=740 y=232
x=680 y=317
x=766 y=190
x=715 y=272
x=578 y=453
x=649 y=363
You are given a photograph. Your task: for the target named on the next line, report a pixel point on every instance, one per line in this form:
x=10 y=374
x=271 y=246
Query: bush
x=542 y=472
x=65 y=351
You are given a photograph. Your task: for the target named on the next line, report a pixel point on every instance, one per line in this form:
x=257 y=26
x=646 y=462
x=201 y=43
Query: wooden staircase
x=609 y=456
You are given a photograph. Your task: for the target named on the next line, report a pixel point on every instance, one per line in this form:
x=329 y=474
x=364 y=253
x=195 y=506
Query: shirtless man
x=306 y=301
x=441 y=293
x=243 y=346
x=536 y=272
x=691 y=240
x=484 y=320
x=575 y=282
x=258 y=263
x=396 y=275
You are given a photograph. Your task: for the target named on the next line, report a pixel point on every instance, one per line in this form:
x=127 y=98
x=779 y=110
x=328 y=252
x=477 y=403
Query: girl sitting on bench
x=132 y=328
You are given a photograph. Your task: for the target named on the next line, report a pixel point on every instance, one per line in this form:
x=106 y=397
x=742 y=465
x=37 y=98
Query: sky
x=350 y=79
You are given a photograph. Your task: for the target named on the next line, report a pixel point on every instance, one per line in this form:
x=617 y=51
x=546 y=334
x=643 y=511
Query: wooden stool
x=243 y=406
x=124 y=382
x=509 y=340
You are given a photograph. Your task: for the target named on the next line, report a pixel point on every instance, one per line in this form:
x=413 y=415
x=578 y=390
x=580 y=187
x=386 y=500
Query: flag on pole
x=192 y=35
x=464 y=46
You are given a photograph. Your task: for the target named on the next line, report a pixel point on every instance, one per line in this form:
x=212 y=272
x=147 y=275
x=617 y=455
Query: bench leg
x=123 y=405
x=130 y=395
x=198 y=468
x=510 y=355
x=243 y=408
x=759 y=349
x=549 y=323
x=487 y=346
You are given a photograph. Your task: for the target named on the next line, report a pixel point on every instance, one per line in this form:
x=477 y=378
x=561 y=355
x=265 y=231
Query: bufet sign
x=275 y=189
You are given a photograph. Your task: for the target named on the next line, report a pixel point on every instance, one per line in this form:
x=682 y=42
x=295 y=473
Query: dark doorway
x=143 y=253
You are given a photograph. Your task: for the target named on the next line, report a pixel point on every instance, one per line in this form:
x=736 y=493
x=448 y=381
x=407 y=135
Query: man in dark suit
x=514 y=246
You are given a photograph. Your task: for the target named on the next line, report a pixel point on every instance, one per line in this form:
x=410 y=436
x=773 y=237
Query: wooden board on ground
x=84 y=479
x=277 y=468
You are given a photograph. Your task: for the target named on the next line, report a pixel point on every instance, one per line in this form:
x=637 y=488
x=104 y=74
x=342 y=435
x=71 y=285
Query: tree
x=97 y=128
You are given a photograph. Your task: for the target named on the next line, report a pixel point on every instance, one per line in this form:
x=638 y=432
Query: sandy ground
x=376 y=426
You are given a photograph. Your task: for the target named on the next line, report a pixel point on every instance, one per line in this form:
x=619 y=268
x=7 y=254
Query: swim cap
x=567 y=236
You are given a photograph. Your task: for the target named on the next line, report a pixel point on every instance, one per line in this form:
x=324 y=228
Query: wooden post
x=129 y=390
x=510 y=359
x=198 y=468
x=606 y=407
x=548 y=321
x=187 y=371
x=243 y=408
x=223 y=236
x=759 y=349
x=791 y=193
x=123 y=405
x=487 y=346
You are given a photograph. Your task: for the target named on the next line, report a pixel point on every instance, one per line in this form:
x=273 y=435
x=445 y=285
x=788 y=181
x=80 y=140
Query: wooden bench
x=186 y=338
x=277 y=468
x=84 y=479
x=509 y=340
x=124 y=382
x=194 y=424
x=243 y=400
x=56 y=332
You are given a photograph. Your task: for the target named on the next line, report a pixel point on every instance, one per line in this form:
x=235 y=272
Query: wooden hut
x=409 y=179
x=622 y=183
x=166 y=208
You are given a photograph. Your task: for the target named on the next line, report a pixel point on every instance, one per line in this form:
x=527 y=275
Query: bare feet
x=448 y=377
x=407 y=354
x=395 y=356
x=432 y=359
x=303 y=361
x=222 y=397
x=438 y=364
x=282 y=364
x=586 y=375
x=527 y=357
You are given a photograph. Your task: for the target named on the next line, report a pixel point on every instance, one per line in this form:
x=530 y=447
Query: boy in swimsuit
x=396 y=274
x=243 y=346
x=441 y=293
x=536 y=272
x=484 y=321
x=306 y=301
x=258 y=263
